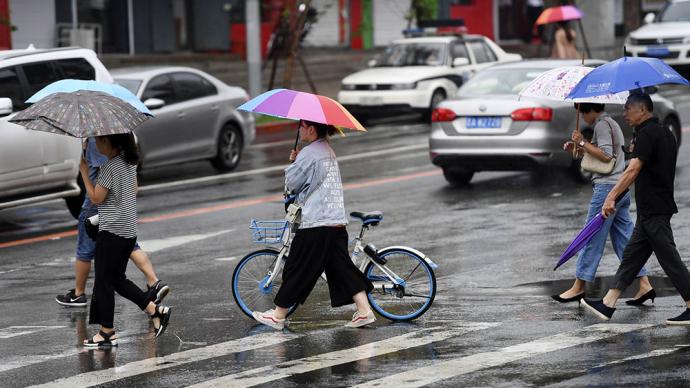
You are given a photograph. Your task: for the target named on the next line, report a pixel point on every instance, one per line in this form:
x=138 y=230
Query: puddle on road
x=662 y=286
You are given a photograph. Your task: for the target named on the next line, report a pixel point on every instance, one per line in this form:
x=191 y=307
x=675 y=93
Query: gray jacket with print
x=315 y=178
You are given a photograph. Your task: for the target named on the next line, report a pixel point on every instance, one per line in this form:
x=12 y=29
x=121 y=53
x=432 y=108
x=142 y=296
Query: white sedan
x=416 y=74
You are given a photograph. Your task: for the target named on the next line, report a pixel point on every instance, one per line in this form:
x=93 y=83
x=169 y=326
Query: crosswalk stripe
x=286 y=369
x=463 y=365
x=14 y=331
x=173 y=360
x=653 y=353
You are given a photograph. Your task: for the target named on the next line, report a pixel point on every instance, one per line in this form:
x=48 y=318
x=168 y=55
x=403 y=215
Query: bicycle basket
x=268 y=232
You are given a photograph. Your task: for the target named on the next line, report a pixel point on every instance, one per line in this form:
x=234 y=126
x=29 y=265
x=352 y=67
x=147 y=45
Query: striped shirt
x=118 y=212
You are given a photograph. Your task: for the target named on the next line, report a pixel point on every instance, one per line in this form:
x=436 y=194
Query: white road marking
x=653 y=353
x=173 y=360
x=15 y=331
x=232 y=175
x=227 y=258
x=170 y=242
x=286 y=369
x=463 y=365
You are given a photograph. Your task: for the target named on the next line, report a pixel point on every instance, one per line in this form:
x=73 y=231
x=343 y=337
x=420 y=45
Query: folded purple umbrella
x=586 y=234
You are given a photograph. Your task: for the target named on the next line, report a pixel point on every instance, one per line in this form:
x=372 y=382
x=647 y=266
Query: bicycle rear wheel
x=407 y=301
x=248 y=282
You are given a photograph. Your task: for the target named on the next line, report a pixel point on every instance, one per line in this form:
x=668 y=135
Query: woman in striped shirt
x=115 y=193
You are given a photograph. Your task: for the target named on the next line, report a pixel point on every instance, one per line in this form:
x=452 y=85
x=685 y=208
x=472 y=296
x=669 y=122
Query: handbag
x=592 y=164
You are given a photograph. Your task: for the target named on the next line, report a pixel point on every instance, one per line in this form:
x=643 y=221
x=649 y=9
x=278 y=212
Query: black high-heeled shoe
x=651 y=294
x=575 y=298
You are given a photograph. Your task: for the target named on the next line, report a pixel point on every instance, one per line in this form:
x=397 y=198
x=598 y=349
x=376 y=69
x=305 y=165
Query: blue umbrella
x=72 y=85
x=624 y=74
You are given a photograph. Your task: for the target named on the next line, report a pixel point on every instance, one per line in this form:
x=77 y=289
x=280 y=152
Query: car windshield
x=499 y=81
x=130 y=84
x=413 y=54
x=675 y=12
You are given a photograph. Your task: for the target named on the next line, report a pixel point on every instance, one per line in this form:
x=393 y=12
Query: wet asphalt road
x=492 y=323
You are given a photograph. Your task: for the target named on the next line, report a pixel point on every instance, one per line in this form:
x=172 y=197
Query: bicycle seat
x=368 y=218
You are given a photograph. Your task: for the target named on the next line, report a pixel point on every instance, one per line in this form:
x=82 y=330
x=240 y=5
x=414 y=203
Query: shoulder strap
x=613 y=136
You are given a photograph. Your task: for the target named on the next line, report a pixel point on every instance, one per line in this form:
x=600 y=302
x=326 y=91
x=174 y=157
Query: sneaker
x=598 y=308
x=268 y=319
x=359 y=320
x=682 y=319
x=71 y=300
x=161 y=289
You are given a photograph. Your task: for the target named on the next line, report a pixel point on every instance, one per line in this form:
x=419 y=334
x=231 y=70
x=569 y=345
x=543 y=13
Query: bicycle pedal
x=371 y=251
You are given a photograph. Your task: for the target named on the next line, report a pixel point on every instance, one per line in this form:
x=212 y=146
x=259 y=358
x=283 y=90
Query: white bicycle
x=403 y=277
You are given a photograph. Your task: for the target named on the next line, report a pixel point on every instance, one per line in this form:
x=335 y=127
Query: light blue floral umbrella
x=73 y=85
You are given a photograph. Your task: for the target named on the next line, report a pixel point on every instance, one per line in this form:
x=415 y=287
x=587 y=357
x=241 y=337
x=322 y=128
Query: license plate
x=483 y=122
x=657 y=51
x=371 y=101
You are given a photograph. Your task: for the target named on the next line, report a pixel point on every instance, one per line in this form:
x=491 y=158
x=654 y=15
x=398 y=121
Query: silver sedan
x=487 y=127
x=195 y=116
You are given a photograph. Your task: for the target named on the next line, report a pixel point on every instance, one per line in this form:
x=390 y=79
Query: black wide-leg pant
x=318 y=250
x=653 y=234
x=112 y=256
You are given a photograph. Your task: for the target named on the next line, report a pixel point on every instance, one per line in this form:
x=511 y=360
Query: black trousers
x=313 y=251
x=653 y=234
x=112 y=256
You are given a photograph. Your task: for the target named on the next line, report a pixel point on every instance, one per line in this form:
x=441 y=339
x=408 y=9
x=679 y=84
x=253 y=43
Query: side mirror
x=649 y=18
x=460 y=62
x=371 y=63
x=154 y=103
x=5 y=106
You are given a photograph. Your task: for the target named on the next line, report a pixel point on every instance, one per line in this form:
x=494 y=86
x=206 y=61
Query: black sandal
x=108 y=340
x=164 y=318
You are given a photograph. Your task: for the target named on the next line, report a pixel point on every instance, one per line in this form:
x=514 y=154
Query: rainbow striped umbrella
x=295 y=105
x=559 y=14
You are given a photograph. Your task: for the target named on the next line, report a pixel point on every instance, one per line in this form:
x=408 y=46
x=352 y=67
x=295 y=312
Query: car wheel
x=458 y=176
x=674 y=126
x=436 y=98
x=74 y=203
x=580 y=174
x=229 y=148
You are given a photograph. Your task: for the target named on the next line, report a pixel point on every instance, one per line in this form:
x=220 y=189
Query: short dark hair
x=322 y=130
x=126 y=145
x=586 y=107
x=640 y=99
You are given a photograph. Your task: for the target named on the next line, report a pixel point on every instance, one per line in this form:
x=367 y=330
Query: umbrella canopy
x=73 y=85
x=81 y=114
x=623 y=74
x=557 y=83
x=559 y=14
x=582 y=238
x=295 y=105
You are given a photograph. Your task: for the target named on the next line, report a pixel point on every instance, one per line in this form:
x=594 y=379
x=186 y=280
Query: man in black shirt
x=652 y=169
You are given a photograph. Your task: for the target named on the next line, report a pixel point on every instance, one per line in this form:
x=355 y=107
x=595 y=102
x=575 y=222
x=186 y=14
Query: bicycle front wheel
x=408 y=300
x=249 y=279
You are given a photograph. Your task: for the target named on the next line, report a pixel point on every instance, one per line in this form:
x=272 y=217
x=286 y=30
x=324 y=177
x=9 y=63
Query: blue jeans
x=619 y=225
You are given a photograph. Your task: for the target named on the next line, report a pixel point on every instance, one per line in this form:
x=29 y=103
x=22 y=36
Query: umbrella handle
x=297 y=138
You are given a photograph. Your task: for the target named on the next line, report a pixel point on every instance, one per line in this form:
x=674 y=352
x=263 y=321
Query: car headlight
x=347 y=86
x=686 y=39
x=407 y=86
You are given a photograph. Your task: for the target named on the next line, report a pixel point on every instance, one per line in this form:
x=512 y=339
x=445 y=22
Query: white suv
x=666 y=36
x=37 y=166
x=416 y=74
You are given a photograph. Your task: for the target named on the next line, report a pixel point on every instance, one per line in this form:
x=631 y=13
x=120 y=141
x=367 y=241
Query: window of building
x=190 y=86
x=11 y=88
x=160 y=87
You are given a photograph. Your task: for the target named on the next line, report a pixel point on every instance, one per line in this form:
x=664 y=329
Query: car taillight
x=532 y=114
x=442 y=114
